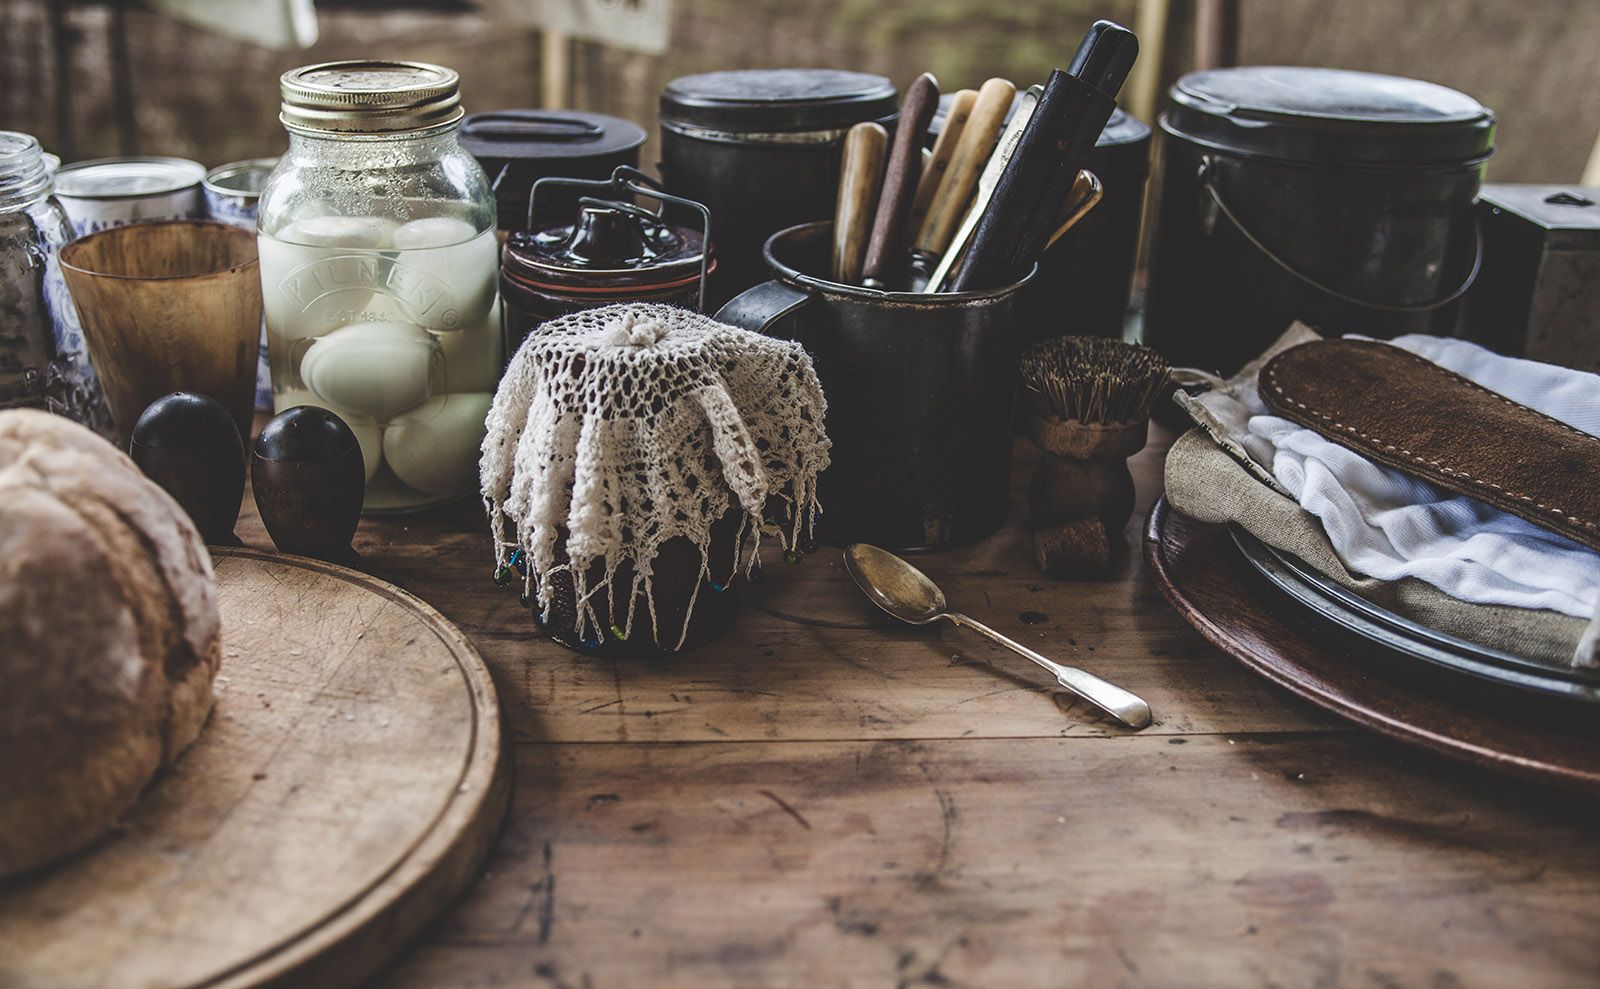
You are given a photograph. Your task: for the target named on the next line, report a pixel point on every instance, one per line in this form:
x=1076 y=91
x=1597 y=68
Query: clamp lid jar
x=610 y=251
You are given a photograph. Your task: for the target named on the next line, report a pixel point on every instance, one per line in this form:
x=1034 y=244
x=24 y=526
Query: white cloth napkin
x=1388 y=525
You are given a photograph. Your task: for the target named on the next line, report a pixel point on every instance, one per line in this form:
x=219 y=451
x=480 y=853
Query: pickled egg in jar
x=379 y=267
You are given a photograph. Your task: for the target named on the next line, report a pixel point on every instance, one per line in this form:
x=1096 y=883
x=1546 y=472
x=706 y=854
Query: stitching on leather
x=1272 y=378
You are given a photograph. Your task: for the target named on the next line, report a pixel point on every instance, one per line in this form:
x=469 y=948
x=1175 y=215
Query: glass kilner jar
x=379 y=269
x=43 y=361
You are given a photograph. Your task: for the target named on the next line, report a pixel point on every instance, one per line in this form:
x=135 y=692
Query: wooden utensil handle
x=935 y=166
x=861 y=176
x=1035 y=185
x=900 y=180
x=966 y=164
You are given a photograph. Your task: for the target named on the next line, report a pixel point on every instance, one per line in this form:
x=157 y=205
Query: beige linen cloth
x=1210 y=478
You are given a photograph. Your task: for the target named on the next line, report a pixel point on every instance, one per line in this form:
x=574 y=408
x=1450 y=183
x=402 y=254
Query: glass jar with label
x=379 y=269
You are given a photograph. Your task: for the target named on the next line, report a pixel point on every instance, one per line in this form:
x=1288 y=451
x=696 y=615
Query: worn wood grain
x=347 y=784
x=810 y=658
x=219 y=102
x=1211 y=860
x=856 y=809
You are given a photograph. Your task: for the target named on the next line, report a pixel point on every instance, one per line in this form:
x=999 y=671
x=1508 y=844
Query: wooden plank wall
x=205 y=97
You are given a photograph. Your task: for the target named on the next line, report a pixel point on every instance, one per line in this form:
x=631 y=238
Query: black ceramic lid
x=508 y=135
x=777 y=100
x=1329 y=116
x=606 y=249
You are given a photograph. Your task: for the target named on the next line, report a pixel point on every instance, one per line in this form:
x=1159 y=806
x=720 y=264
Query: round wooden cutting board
x=347 y=786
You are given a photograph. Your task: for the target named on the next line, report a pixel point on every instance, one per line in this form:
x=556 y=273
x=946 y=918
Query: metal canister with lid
x=108 y=192
x=1341 y=199
x=232 y=191
x=518 y=147
x=1084 y=281
x=762 y=149
x=606 y=251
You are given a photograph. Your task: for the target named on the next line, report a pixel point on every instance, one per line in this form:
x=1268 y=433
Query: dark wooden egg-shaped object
x=189 y=444
x=306 y=470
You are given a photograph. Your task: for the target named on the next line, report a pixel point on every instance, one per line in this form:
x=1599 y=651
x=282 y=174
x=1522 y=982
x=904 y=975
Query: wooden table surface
x=824 y=797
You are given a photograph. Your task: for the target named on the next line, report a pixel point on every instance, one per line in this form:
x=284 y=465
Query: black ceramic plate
x=1467 y=664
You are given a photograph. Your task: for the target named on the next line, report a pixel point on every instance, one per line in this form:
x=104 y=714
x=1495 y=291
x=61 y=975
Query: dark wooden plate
x=1207 y=580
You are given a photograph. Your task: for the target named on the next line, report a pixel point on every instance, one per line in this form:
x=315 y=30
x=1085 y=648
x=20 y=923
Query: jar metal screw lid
x=24 y=171
x=370 y=97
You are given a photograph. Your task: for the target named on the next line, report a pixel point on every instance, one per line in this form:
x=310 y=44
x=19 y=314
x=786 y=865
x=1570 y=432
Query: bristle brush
x=1091 y=399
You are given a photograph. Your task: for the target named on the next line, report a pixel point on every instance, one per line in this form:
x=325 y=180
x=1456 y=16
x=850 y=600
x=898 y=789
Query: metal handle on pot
x=516 y=126
x=758 y=308
x=624 y=180
x=1206 y=182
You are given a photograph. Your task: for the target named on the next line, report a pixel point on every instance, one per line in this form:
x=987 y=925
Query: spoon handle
x=1126 y=707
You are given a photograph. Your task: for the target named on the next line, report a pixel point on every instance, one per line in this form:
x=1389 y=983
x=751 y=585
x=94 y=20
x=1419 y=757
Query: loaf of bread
x=109 y=635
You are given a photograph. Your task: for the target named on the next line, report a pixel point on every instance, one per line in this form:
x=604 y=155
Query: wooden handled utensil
x=1086 y=192
x=937 y=164
x=988 y=181
x=1037 y=181
x=888 y=241
x=865 y=147
x=967 y=160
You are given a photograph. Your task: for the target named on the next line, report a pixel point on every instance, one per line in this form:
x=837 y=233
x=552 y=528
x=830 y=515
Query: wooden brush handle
x=865 y=147
x=900 y=181
x=966 y=164
x=934 y=167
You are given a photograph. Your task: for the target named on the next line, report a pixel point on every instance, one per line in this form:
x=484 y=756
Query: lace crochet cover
x=624 y=426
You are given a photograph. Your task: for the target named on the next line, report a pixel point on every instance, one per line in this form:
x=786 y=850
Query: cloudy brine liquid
x=394 y=326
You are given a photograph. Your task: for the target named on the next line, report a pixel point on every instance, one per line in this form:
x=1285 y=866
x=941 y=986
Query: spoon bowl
x=909 y=595
x=895 y=585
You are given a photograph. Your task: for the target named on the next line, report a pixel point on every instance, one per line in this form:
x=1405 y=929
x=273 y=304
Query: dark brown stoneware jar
x=612 y=252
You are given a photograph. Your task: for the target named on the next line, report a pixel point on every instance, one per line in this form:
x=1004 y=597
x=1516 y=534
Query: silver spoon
x=906 y=593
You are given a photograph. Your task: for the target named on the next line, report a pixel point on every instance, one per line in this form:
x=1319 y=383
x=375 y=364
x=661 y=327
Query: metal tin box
x=106 y=192
x=1539 y=293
